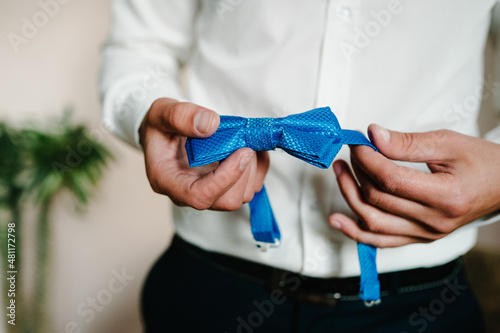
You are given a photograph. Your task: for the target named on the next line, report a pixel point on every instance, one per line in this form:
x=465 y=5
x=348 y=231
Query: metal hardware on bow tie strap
x=315 y=137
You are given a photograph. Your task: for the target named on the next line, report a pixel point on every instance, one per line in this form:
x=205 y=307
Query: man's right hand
x=219 y=186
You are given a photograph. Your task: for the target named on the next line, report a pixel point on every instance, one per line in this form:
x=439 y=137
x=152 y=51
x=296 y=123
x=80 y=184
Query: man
x=411 y=66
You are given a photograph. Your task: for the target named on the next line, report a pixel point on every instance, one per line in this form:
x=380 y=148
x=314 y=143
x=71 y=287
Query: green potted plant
x=43 y=164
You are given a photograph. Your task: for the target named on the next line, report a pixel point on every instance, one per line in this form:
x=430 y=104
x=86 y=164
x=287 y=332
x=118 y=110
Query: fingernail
x=337 y=168
x=336 y=224
x=202 y=121
x=245 y=160
x=383 y=133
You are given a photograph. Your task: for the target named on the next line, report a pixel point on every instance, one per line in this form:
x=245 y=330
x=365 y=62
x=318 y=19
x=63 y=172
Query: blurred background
x=125 y=227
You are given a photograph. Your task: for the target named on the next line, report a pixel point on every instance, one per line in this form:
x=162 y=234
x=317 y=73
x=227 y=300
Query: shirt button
x=343 y=13
x=314 y=205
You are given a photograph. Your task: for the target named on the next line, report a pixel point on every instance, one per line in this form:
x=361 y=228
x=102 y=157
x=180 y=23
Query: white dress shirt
x=406 y=65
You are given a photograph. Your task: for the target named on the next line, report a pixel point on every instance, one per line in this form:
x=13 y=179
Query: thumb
x=413 y=147
x=181 y=118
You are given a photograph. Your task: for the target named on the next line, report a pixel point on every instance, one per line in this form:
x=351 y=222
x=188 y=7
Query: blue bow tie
x=314 y=136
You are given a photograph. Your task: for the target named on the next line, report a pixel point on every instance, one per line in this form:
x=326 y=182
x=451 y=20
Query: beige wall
x=127 y=225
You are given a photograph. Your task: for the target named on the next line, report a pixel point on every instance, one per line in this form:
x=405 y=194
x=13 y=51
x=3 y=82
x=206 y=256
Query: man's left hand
x=398 y=205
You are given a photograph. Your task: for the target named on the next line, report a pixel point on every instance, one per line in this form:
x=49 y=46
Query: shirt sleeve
x=148 y=43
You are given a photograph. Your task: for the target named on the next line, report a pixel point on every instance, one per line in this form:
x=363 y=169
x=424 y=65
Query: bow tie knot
x=261 y=135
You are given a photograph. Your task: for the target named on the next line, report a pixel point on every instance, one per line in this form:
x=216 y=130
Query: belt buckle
x=291 y=286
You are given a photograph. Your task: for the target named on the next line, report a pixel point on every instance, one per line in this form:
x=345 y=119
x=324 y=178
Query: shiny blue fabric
x=314 y=136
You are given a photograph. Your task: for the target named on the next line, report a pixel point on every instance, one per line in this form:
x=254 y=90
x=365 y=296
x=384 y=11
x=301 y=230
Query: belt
x=319 y=291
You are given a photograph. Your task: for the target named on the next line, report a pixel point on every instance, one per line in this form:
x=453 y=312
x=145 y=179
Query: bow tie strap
x=314 y=137
x=265 y=230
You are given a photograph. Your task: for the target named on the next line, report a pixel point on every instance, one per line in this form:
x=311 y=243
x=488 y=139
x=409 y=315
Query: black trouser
x=185 y=294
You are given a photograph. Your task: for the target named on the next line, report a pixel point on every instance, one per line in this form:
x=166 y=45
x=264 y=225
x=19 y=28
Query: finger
x=159 y=149
x=429 y=218
x=163 y=165
x=401 y=181
x=246 y=187
x=167 y=157
x=235 y=196
x=185 y=119
x=393 y=204
x=190 y=187
x=374 y=219
x=250 y=186
x=352 y=230
x=425 y=147
x=204 y=191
